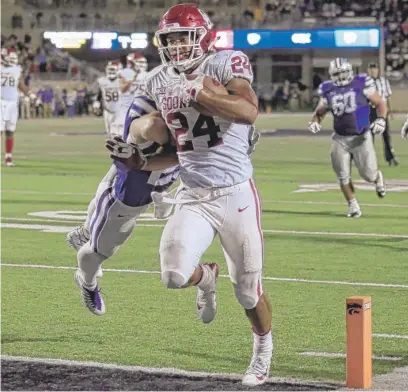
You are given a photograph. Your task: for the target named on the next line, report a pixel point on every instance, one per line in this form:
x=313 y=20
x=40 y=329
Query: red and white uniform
x=217 y=194
x=125 y=99
x=110 y=98
x=10 y=77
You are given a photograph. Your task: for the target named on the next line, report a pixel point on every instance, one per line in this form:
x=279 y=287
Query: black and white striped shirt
x=383 y=87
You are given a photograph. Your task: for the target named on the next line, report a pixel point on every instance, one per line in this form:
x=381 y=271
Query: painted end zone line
x=163 y=371
x=265 y=278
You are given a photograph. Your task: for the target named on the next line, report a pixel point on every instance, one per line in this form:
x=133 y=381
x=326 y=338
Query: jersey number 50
x=204 y=126
x=344 y=103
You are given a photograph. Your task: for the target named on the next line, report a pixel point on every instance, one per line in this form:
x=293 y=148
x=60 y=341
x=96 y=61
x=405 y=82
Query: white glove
x=253 y=139
x=404 y=130
x=96 y=105
x=378 y=126
x=190 y=88
x=121 y=151
x=314 y=127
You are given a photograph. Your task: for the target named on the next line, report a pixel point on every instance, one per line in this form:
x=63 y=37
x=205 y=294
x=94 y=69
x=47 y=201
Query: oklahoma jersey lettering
x=349 y=104
x=212 y=151
x=10 y=77
x=110 y=93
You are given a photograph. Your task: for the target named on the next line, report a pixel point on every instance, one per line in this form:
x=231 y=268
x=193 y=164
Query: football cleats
x=137 y=62
x=341 y=71
x=112 y=69
x=184 y=37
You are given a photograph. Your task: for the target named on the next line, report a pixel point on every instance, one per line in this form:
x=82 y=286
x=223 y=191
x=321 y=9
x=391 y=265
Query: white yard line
x=265 y=278
x=8 y=218
x=341 y=355
x=162 y=371
x=328 y=203
x=47 y=193
x=339 y=234
x=389 y=336
x=66 y=229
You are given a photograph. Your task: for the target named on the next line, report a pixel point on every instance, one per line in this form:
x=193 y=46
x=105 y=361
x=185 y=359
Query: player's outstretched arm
x=240 y=106
x=150 y=127
x=318 y=116
x=124 y=84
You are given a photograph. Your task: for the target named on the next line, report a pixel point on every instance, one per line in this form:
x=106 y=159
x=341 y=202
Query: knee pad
x=173 y=279
x=344 y=181
x=248 y=290
x=370 y=176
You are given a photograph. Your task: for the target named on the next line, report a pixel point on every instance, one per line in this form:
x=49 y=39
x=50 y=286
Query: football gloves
x=378 y=126
x=314 y=127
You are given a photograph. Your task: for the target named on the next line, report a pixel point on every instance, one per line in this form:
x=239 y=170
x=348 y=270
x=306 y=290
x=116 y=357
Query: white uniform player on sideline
x=131 y=84
x=217 y=195
x=12 y=81
x=121 y=197
x=108 y=96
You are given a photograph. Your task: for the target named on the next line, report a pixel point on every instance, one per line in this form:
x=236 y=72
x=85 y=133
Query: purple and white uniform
x=125 y=193
x=352 y=139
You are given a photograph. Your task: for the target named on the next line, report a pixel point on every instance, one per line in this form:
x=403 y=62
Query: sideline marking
x=271 y=278
x=164 y=371
x=341 y=355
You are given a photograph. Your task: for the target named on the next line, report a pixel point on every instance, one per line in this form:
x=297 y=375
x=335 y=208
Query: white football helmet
x=341 y=71
x=137 y=62
x=112 y=69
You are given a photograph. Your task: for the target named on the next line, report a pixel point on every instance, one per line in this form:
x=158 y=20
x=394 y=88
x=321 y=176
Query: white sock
x=263 y=345
x=89 y=262
x=206 y=279
x=353 y=203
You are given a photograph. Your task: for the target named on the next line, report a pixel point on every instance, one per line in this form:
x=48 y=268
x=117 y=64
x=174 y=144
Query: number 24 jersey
x=212 y=151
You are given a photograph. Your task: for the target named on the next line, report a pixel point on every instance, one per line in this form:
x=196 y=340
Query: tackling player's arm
x=240 y=106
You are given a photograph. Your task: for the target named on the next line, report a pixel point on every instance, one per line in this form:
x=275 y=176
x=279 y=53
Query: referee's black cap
x=373 y=65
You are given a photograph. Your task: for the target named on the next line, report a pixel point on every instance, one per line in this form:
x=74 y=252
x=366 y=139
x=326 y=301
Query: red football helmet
x=185 y=36
x=137 y=62
x=112 y=69
x=9 y=57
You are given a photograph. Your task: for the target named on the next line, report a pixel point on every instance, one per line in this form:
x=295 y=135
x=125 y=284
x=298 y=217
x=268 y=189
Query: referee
x=384 y=89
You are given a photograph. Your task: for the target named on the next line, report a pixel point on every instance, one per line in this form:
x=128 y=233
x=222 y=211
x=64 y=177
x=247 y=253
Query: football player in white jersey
x=217 y=195
x=12 y=81
x=131 y=84
x=108 y=96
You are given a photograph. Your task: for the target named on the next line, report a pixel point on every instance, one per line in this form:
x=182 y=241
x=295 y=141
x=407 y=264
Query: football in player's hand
x=211 y=84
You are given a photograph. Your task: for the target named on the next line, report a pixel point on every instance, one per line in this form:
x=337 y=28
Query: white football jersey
x=10 y=78
x=110 y=93
x=213 y=152
x=137 y=87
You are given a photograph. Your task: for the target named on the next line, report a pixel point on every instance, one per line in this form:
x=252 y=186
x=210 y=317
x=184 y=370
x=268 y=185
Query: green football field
x=314 y=258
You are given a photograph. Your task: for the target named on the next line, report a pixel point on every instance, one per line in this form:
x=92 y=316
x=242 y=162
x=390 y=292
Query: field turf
x=59 y=165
